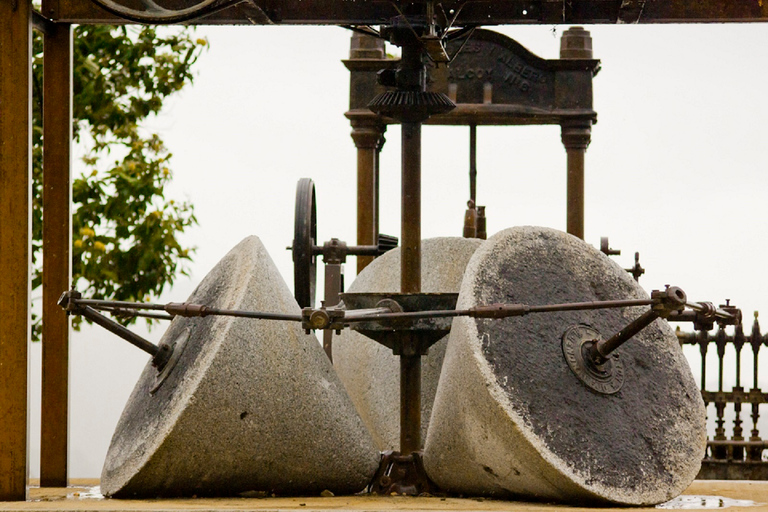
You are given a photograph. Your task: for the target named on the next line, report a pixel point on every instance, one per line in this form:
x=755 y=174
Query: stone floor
x=83 y=495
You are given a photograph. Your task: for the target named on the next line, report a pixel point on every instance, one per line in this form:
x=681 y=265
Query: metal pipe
x=115 y=328
x=576 y=137
x=366 y=140
x=410 y=259
x=600 y=351
x=575 y=192
x=473 y=163
x=410 y=403
x=493 y=310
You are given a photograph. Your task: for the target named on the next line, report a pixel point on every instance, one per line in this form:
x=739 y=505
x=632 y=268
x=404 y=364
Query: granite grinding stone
x=511 y=419
x=250 y=406
x=369 y=371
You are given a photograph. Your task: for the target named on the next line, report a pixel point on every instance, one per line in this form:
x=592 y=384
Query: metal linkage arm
x=704 y=315
x=70 y=301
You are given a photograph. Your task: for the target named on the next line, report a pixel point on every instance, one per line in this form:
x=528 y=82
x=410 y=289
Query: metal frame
x=571 y=109
x=16 y=23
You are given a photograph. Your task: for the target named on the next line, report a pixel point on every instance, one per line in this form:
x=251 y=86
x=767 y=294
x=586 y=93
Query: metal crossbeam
x=473 y=12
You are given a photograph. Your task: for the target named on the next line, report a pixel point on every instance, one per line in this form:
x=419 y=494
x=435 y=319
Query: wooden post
x=57 y=260
x=15 y=238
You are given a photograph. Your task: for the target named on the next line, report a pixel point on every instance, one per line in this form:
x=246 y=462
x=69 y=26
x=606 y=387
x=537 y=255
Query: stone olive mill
x=524 y=365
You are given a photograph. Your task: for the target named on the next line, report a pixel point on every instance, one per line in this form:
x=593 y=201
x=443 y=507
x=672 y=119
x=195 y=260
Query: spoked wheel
x=304 y=239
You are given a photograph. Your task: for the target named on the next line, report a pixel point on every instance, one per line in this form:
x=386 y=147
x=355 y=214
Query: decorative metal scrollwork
x=154 y=13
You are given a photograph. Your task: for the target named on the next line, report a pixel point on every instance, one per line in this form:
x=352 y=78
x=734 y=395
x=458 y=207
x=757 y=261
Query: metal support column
x=410 y=260
x=15 y=237
x=576 y=43
x=576 y=137
x=57 y=260
x=367 y=135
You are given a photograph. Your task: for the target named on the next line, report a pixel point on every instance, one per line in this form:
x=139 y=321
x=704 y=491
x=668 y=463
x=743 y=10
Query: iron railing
x=734 y=454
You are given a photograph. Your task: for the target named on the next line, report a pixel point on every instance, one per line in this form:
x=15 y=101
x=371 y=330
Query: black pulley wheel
x=304 y=239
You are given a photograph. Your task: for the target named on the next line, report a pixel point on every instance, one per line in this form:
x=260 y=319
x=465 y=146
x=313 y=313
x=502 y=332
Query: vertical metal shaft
x=473 y=163
x=333 y=287
x=576 y=137
x=576 y=43
x=410 y=282
x=410 y=403
x=410 y=278
x=575 y=215
x=57 y=261
x=15 y=230
x=410 y=261
x=366 y=138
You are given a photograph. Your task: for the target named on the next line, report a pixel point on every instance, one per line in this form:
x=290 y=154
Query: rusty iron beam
x=15 y=229
x=478 y=12
x=57 y=260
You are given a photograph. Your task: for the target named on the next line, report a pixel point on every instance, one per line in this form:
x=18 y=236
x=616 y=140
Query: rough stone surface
x=369 y=371
x=251 y=406
x=510 y=418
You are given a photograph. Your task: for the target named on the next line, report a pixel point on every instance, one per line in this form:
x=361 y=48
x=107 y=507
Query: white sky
x=676 y=170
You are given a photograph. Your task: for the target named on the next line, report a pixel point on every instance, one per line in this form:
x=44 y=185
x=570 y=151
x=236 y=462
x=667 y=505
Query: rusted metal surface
x=57 y=260
x=334 y=285
x=366 y=136
x=732 y=455
x=366 y=52
x=15 y=227
x=475 y=12
x=576 y=43
x=495 y=81
x=304 y=238
x=402 y=474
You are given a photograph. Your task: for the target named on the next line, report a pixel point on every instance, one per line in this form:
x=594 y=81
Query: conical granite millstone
x=250 y=405
x=369 y=371
x=510 y=417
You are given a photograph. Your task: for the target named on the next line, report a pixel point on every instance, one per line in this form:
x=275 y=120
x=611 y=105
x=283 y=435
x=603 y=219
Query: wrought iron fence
x=732 y=454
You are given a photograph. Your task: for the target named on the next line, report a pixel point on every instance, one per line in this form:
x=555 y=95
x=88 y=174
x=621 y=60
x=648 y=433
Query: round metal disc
x=512 y=417
x=606 y=378
x=304 y=238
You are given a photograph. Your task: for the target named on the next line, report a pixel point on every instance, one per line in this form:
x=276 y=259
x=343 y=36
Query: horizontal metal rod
x=111 y=304
x=503 y=310
x=351 y=250
x=703 y=308
x=132 y=313
x=730 y=442
x=182 y=309
x=252 y=314
x=359 y=315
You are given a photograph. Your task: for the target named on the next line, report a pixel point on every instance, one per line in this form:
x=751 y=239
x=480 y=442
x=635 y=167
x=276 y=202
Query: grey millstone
x=510 y=418
x=251 y=406
x=369 y=371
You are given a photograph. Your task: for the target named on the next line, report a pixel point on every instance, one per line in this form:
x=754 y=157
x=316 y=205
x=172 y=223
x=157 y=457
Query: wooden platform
x=83 y=495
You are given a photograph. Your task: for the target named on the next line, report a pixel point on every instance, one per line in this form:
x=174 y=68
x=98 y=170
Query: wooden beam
x=15 y=229
x=57 y=260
